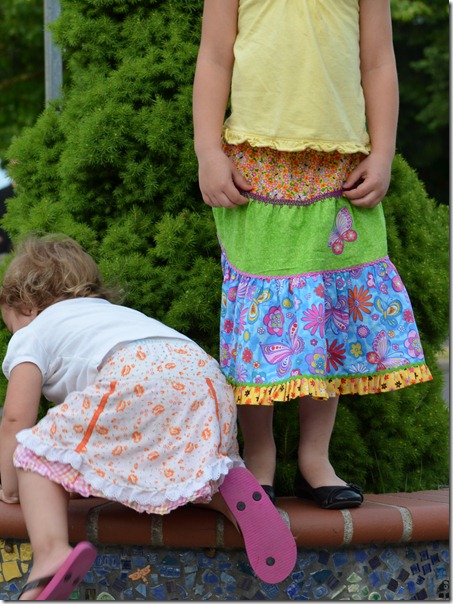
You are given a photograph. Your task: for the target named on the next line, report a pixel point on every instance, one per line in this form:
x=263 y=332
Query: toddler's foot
x=59 y=580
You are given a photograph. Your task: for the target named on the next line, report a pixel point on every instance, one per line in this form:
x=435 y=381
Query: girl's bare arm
x=218 y=178
x=20 y=411
x=380 y=86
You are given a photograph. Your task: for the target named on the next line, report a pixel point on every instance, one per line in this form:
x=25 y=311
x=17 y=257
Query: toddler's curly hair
x=50 y=268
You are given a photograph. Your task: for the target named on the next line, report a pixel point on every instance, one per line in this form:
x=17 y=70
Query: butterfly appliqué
x=342 y=231
x=279 y=353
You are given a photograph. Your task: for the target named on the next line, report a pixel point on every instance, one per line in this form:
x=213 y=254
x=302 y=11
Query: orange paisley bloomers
x=155 y=431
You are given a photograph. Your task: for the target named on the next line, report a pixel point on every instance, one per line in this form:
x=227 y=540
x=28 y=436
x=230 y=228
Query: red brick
x=80 y=511
x=313 y=526
x=372 y=523
x=118 y=524
x=190 y=526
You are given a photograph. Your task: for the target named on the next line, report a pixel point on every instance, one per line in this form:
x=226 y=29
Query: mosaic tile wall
x=412 y=572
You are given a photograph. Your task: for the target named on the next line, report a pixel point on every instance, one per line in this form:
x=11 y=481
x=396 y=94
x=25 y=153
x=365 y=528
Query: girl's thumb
x=240 y=181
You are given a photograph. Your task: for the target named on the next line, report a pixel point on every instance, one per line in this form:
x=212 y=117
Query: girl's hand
x=220 y=181
x=368 y=182
x=8 y=499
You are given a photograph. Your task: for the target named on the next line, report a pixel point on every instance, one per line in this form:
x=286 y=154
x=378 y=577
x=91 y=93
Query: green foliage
x=409 y=10
x=418 y=234
x=422 y=48
x=118 y=180
x=21 y=67
x=112 y=165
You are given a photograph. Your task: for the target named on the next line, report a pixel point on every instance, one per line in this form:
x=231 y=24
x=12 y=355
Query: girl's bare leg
x=44 y=505
x=259 y=450
x=317 y=419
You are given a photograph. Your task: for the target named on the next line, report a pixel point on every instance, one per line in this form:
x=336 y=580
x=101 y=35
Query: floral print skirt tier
x=311 y=302
x=155 y=431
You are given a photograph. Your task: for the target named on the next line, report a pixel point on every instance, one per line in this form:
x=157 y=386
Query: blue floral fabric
x=321 y=333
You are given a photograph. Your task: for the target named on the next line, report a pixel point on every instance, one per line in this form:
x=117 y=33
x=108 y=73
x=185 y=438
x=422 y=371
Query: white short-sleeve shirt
x=69 y=340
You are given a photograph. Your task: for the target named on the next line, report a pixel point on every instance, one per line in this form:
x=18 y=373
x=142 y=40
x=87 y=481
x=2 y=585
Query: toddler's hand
x=220 y=181
x=10 y=499
x=368 y=182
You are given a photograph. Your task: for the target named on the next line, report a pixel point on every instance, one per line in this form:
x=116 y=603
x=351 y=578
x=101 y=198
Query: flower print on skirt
x=155 y=431
x=311 y=303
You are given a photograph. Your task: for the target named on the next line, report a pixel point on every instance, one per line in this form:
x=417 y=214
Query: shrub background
x=112 y=165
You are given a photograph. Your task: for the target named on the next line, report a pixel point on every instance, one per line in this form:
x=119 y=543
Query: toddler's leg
x=45 y=508
x=259 y=446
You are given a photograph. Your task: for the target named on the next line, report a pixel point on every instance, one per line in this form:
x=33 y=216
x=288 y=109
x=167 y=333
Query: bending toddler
x=142 y=416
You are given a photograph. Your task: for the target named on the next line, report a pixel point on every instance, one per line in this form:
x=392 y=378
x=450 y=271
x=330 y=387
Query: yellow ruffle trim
x=324 y=389
x=234 y=137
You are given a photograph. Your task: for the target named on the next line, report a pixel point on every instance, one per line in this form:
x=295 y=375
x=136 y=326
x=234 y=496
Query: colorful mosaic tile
x=418 y=571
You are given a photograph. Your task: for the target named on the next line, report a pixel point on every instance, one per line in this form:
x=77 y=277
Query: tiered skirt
x=311 y=302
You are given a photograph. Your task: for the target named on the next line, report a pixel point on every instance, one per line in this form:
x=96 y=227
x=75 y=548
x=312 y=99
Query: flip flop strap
x=36 y=583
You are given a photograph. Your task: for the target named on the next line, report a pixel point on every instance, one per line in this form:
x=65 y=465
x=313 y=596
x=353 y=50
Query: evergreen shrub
x=112 y=165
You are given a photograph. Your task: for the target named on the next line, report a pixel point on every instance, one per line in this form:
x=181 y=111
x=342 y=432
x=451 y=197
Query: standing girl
x=312 y=306
x=143 y=416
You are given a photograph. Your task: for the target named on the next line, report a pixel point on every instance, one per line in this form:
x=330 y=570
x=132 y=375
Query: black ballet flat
x=329 y=498
x=269 y=490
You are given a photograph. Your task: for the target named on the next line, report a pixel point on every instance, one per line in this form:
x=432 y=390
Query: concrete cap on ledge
x=385 y=518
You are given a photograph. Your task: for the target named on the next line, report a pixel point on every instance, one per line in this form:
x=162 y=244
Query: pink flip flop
x=269 y=543
x=68 y=576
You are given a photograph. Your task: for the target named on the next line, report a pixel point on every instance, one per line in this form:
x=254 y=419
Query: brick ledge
x=385 y=518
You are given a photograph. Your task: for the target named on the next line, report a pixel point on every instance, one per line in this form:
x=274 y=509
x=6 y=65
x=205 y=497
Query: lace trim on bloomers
x=67 y=473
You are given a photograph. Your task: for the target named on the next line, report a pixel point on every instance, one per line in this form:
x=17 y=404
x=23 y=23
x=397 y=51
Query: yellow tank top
x=296 y=77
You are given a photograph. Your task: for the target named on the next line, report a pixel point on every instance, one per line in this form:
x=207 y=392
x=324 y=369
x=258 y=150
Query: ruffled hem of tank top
x=234 y=137
x=321 y=388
